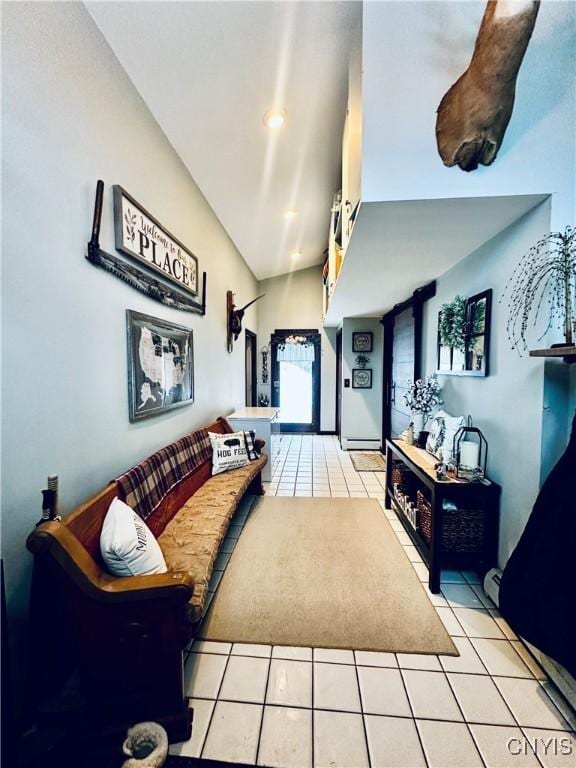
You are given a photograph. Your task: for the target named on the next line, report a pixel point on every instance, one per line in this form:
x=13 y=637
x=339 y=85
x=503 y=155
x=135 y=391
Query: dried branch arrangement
x=544 y=282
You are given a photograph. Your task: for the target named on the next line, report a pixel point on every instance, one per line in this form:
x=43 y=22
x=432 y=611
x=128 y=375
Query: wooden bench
x=130 y=632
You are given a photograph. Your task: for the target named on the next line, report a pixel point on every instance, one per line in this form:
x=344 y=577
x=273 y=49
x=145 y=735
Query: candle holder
x=463 y=470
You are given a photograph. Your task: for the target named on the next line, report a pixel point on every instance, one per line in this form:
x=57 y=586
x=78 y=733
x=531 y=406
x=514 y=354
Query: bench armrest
x=63 y=546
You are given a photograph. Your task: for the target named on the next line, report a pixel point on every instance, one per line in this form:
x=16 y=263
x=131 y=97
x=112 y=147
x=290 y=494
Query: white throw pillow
x=228 y=451
x=127 y=545
x=443 y=427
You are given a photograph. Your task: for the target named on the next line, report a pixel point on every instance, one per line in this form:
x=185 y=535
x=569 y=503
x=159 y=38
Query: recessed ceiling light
x=290 y=213
x=296 y=254
x=274 y=118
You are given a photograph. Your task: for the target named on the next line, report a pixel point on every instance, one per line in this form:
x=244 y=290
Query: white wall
x=295 y=301
x=412 y=53
x=362 y=408
x=507 y=405
x=71 y=116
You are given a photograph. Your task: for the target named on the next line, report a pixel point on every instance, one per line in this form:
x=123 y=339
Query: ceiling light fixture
x=274 y=118
x=290 y=214
x=296 y=254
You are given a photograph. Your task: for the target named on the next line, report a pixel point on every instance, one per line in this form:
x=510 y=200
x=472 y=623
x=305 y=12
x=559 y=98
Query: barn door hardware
x=135 y=276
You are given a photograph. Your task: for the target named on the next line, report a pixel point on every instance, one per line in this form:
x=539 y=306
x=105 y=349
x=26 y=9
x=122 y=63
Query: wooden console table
x=482 y=496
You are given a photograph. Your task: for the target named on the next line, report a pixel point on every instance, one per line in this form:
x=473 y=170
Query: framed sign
x=139 y=235
x=160 y=366
x=361 y=378
x=362 y=341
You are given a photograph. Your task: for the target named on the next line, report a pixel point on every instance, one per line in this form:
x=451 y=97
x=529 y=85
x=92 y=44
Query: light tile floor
x=304 y=707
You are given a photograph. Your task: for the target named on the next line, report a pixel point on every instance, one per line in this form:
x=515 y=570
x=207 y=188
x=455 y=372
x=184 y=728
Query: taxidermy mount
x=235 y=317
x=474 y=113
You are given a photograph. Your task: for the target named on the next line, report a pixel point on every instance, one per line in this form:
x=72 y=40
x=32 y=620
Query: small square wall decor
x=362 y=341
x=361 y=378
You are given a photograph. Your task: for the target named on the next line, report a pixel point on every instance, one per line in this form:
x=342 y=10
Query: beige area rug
x=368 y=461
x=326 y=573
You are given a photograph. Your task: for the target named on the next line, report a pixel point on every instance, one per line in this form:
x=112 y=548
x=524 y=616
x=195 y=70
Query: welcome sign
x=141 y=236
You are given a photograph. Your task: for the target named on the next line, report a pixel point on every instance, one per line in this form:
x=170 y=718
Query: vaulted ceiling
x=209 y=71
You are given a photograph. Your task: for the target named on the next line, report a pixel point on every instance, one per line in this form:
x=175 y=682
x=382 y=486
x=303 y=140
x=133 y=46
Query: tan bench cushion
x=191 y=540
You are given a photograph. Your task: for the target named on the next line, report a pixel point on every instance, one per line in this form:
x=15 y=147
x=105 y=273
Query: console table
x=480 y=497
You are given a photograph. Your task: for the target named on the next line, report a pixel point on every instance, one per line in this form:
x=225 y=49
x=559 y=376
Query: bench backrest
x=86 y=521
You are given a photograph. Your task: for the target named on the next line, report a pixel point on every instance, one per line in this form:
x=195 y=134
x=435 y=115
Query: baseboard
x=561 y=678
x=360 y=444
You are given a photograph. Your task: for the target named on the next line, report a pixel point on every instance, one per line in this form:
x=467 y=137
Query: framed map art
x=160 y=366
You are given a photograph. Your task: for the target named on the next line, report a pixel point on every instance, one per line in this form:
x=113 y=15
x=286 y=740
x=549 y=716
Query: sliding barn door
x=403 y=368
x=402 y=356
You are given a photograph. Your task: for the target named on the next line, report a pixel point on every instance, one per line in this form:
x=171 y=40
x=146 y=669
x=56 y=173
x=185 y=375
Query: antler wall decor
x=235 y=316
x=474 y=113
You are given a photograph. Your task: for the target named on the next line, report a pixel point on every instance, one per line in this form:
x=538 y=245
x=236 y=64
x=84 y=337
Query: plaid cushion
x=145 y=486
x=250 y=440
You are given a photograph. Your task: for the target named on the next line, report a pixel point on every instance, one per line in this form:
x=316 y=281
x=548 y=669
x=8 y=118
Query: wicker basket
x=462 y=529
x=402 y=477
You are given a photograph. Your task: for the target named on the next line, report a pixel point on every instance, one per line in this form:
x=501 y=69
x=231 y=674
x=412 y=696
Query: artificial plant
x=423 y=396
x=361 y=361
x=452 y=324
x=543 y=281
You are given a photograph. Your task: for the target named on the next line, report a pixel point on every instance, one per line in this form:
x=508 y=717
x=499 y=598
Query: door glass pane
x=295 y=392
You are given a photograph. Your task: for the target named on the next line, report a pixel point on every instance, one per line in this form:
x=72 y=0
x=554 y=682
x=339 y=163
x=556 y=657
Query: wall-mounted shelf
x=567 y=352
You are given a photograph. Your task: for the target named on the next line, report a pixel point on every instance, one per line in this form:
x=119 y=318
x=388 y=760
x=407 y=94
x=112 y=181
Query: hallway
x=297 y=707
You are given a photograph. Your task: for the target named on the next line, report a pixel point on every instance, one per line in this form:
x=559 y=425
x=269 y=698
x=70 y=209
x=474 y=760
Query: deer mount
x=235 y=316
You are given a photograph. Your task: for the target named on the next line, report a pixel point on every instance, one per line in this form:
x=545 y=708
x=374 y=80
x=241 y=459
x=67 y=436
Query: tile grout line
x=258 y=743
x=312 y=718
x=464 y=720
x=362 y=711
x=374 y=666
x=380 y=714
x=201 y=751
x=413 y=718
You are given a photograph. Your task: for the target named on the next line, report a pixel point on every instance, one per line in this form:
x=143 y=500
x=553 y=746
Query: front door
x=295 y=356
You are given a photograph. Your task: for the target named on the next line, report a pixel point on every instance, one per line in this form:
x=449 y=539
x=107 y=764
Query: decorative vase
x=146 y=746
x=418 y=422
x=422 y=438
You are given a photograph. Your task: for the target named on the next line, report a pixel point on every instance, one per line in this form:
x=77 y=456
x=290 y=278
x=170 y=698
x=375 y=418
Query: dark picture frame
x=474 y=359
x=362 y=378
x=362 y=341
x=160 y=365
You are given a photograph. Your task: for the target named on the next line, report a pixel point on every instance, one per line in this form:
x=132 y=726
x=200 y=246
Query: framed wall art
x=362 y=378
x=464 y=335
x=362 y=341
x=139 y=235
x=160 y=366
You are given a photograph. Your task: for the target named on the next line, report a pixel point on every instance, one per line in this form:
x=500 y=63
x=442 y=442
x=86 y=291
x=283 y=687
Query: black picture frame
x=474 y=360
x=362 y=341
x=148 y=394
x=362 y=378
